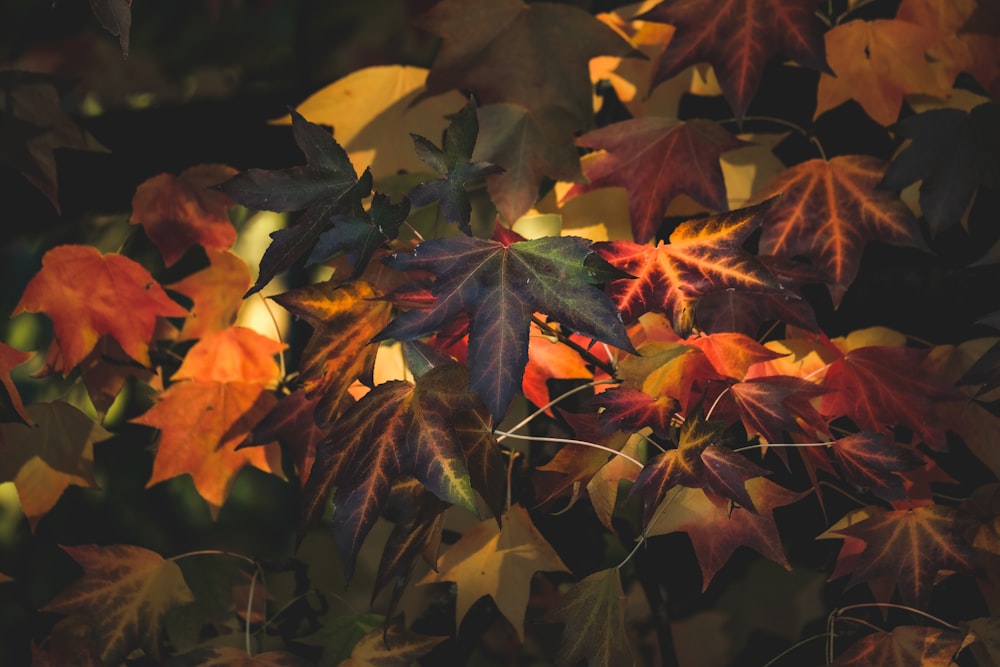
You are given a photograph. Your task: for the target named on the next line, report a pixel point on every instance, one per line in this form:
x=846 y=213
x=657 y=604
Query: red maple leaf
x=738 y=38
x=10 y=400
x=656 y=159
x=829 y=210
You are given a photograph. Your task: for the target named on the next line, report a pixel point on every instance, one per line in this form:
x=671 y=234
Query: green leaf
x=594 y=612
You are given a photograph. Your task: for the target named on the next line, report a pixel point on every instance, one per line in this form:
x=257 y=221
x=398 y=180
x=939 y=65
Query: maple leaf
x=732 y=354
x=81 y=311
x=125 y=592
x=344 y=318
x=870 y=462
x=771 y=405
x=672 y=370
x=529 y=146
x=71 y=642
x=179 y=212
x=738 y=38
x=54 y=452
x=10 y=400
x=879 y=387
x=877 y=63
x=593 y=610
x=953 y=153
x=33 y=126
x=396 y=430
x=631 y=410
x=395 y=646
x=454 y=162
x=225 y=375
x=324 y=187
x=361 y=236
x=499 y=563
x=500 y=286
x=904 y=646
x=215 y=293
x=701 y=256
x=829 y=210
x=532 y=55
x=908 y=546
x=656 y=159
x=115 y=16
x=716 y=532
x=698 y=462
x=292 y=422
x=373 y=111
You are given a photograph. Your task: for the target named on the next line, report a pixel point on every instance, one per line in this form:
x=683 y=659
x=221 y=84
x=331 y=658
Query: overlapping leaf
x=393 y=647
x=215 y=293
x=395 y=431
x=361 y=235
x=716 y=532
x=738 y=38
x=178 y=212
x=344 y=318
x=498 y=563
x=829 y=211
x=43 y=459
x=702 y=255
x=218 y=396
x=82 y=311
x=500 y=286
x=656 y=159
x=125 y=592
x=952 y=153
x=904 y=646
x=907 y=546
x=871 y=461
x=11 y=405
x=324 y=187
x=594 y=614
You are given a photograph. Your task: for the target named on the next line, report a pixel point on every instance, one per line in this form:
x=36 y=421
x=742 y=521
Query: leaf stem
x=576 y=347
x=708 y=415
x=527 y=420
x=215 y=552
x=277 y=333
x=569 y=441
x=762 y=445
x=892 y=605
x=784 y=123
x=794 y=646
x=253 y=582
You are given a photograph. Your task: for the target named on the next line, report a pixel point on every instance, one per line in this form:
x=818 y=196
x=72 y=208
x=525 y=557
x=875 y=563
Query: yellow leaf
x=500 y=564
x=372 y=117
x=125 y=593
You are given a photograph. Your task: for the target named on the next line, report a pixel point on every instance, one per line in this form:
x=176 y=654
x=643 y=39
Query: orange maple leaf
x=904 y=646
x=119 y=298
x=182 y=211
x=218 y=397
x=10 y=400
x=216 y=293
x=498 y=563
x=828 y=211
x=878 y=63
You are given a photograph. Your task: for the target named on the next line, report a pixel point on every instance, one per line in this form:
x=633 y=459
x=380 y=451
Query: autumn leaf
x=656 y=159
x=218 y=396
x=215 y=292
x=632 y=410
x=53 y=453
x=716 y=532
x=373 y=111
x=738 y=38
x=396 y=430
x=501 y=286
x=953 y=153
x=904 y=646
x=772 y=405
x=499 y=563
x=179 y=212
x=115 y=16
x=535 y=56
x=829 y=211
x=324 y=187
x=698 y=461
x=292 y=422
x=455 y=165
x=125 y=592
x=11 y=405
x=908 y=546
x=529 y=146
x=33 y=126
x=344 y=319
x=81 y=311
x=593 y=610
x=72 y=641
x=670 y=370
x=393 y=647
x=361 y=236
x=871 y=461
x=701 y=256
x=878 y=63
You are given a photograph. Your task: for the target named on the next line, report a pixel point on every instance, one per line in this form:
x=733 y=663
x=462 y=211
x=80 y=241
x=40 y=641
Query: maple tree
x=595 y=333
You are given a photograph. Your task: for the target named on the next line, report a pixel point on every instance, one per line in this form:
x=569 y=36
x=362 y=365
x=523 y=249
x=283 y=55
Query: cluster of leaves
x=639 y=284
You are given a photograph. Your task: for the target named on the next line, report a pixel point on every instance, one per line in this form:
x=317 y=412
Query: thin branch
x=277 y=332
x=892 y=605
x=540 y=411
x=762 y=445
x=576 y=347
x=784 y=123
x=708 y=415
x=792 y=648
x=569 y=441
x=249 y=612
